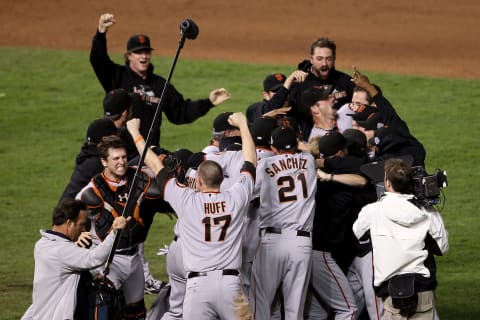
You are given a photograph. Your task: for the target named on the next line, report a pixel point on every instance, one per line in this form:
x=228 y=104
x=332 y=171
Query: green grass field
x=48 y=98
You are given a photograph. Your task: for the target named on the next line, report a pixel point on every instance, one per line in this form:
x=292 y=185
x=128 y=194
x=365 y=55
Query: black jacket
x=337 y=208
x=399 y=140
x=87 y=165
x=341 y=82
x=112 y=76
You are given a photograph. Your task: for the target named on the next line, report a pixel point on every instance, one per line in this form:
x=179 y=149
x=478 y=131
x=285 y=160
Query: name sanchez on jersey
x=286 y=164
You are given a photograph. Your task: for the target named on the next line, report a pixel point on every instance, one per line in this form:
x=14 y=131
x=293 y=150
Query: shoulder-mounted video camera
x=426 y=187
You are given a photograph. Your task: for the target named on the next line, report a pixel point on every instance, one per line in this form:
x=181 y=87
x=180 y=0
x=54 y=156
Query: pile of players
x=266 y=211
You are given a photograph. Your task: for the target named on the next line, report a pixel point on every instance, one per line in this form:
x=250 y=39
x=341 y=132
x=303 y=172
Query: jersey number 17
x=224 y=221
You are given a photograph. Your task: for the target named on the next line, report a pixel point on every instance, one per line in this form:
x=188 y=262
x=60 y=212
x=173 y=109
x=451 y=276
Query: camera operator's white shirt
x=398 y=230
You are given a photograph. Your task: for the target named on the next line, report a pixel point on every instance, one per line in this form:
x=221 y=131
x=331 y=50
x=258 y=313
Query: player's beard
x=324 y=72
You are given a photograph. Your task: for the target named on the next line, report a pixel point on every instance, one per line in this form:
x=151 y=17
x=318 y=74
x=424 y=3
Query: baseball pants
x=250 y=241
x=329 y=287
x=282 y=261
x=360 y=277
x=213 y=296
x=126 y=272
x=146 y=268
x=177 y=279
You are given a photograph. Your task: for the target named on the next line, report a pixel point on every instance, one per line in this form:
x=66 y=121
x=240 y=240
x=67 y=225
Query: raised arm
x=153 y=161
x=106 y=21
x=239 y=120
x=102 y=65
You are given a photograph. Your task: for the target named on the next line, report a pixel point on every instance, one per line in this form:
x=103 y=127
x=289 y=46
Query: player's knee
x=135 y=311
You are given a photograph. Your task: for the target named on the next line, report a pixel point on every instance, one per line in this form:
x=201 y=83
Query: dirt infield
x=438 y=38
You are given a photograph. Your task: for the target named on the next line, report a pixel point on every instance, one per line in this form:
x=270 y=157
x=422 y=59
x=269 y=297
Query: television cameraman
x=403 y=238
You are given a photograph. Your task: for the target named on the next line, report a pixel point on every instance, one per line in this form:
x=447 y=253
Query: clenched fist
x=106 y=21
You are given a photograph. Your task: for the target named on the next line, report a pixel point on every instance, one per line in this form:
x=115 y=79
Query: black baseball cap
x=291 y=122
x=273 y=82
x=373 y=122
x=330 y=144
x=356 y=142
x=363 y=112
x=284 y=138
x=100 y=128
x=313 y=94
x=221 y=124
x=261 y=130
x=138 y=42
x=116 y=101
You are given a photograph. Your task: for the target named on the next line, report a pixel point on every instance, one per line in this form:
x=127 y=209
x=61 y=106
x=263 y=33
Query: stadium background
x=428 y=37
x=39 y=89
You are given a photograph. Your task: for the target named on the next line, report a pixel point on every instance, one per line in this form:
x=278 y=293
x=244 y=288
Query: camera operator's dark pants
x=425 y=308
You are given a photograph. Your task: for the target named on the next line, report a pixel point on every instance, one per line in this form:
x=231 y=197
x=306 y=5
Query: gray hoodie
x=58 y=263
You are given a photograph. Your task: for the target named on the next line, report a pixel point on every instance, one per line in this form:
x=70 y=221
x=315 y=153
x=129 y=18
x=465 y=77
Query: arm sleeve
x=249 y=168
x=78 y=258
x=385 y=108
x=438 y=231
x=81 y=176
x=161 y=180
x=244 y=187
x=103 y=66
x=277 y=101
x=361 y=225
x=180 y=111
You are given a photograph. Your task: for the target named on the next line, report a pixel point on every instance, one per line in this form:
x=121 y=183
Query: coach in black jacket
x=137 y=75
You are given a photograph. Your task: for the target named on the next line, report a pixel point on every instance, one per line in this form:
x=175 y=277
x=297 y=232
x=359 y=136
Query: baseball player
x=230 y=161
x=319 y=70
x=261 y=130
x=106 y=195
x=271 y=84
x=287 y=185
x=334 y=215
x=211 y=229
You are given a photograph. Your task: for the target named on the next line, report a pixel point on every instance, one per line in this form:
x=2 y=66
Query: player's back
x=231 y=163
x=287 y=184
x=211 y=227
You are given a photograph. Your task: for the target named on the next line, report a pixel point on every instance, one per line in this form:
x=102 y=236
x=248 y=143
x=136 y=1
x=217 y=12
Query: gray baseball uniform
x=360 y=277
x=287 y=184
x=231 y=163
x=251 y=236
x=211 y=231
x=126 y=269
x=177 y=277
x=175 y=269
